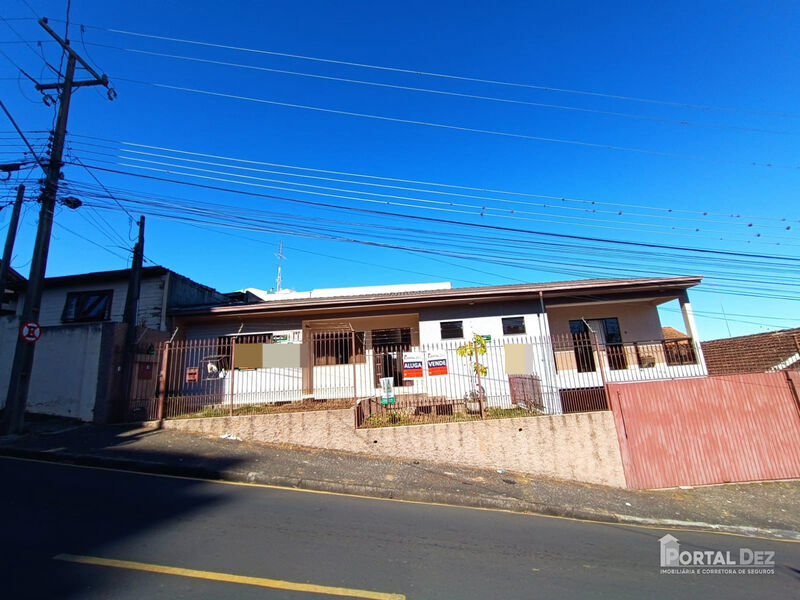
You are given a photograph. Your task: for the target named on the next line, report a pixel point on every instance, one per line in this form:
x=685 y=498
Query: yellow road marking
x=420 y=502
x=230 y=578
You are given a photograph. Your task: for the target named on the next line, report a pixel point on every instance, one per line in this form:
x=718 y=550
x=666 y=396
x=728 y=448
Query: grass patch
x=266 y=408
x=388 y=419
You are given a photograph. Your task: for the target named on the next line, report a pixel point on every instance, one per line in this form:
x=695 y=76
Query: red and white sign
x=30 y=331
x=437 y=363
x=412 y=365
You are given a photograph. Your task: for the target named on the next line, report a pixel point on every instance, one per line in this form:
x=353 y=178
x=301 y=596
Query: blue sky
x=701 y=151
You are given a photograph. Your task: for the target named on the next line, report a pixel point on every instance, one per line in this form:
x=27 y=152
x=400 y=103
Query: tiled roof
x=670 y=333
x=757 y=353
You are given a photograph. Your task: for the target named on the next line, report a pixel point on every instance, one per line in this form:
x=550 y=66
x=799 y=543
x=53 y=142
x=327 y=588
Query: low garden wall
x=578 y=447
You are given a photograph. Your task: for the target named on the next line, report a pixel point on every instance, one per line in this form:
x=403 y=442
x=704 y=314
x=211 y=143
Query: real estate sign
x=387 y=390
x=412 y=365
x=437 y=363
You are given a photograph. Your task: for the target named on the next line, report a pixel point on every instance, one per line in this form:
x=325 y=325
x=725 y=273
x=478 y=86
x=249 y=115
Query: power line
x=84 y=238
x=384 y=186
x=481 y=210
x=629 y=243
x=30 y=47
x=466 y=255
x=416 y=72
x=662 y=209
x=508 y=134
x=639 y=117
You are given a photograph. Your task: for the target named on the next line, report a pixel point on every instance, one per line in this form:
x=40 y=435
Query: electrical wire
x=450 y=127
x=660 y=209
x=638 y=117
x=417 y=72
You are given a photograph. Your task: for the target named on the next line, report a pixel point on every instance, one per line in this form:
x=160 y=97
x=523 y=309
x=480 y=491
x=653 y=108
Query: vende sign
x=437 y=363
x=412 y=365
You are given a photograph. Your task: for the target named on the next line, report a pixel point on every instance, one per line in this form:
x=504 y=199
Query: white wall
x=65 y=369
x=482 y=319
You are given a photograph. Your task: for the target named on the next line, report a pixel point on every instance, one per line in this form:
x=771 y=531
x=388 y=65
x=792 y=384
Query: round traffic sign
x=31 y=331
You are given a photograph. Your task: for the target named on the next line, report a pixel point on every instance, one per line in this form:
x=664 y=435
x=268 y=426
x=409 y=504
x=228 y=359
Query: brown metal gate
x=708 y=430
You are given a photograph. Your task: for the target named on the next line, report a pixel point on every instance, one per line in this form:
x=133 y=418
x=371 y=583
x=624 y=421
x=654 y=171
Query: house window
x=84 y=307
x=608 y=333
x=513 y=325
x=582 y=346
x=336 y=347
x=452 y=330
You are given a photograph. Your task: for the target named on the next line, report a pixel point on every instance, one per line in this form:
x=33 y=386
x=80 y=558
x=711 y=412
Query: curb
x=505 y=503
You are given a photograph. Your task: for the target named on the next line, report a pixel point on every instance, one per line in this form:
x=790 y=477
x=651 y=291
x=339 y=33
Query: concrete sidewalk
x=766 y=509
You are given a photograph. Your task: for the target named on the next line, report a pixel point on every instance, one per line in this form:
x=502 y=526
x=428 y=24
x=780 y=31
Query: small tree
x=473 y=350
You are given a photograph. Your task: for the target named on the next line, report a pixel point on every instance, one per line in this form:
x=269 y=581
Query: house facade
x=78 y=357
x=568 y=338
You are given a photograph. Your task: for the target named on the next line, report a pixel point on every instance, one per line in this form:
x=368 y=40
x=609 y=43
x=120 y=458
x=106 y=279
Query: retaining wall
x=578 y=447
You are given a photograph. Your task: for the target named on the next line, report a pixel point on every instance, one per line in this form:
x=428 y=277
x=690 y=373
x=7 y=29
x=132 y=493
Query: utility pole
x=130 y=316
x=10 y=238
x=21 y=368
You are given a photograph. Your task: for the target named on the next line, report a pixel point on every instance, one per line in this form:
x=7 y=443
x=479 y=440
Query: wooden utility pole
x=130 y=316
x=22 y=366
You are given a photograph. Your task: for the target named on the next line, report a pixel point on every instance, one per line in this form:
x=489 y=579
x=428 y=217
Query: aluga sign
x=746 y=561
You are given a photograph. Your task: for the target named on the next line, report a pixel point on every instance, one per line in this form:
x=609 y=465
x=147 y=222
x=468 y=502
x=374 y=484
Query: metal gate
x=708 y=430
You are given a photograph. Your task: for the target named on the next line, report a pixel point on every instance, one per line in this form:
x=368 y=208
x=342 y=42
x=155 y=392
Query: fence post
x=232 y=371
x=353 y=357
x=162 y=380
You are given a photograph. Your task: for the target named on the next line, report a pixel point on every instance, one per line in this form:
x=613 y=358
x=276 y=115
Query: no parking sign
x=30 y=332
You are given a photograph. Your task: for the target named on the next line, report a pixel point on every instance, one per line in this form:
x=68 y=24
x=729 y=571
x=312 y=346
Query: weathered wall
x=578 y=447
x=65 y=369
x=708 y=430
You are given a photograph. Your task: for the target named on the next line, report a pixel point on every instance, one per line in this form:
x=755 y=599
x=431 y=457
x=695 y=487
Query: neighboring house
x=78 y=358
x=757 y=353
x=9 y=296
x=572 y=337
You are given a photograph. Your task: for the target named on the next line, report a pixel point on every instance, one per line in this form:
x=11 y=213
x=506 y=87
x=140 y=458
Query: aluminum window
x=452 y=330
x=513 y=325
x=85 y=307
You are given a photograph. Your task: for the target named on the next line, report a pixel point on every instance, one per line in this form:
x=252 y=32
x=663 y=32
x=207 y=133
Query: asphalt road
x=286 y=538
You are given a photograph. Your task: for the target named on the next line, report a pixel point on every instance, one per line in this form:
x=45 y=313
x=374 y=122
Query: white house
x=568 y=337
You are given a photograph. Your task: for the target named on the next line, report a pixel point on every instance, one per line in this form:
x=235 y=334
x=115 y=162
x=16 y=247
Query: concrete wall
x=65 y=373
x=578 y=447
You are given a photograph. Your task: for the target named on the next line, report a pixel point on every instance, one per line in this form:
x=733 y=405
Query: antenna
x=280 y=257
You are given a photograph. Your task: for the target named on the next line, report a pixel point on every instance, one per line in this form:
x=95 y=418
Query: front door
x=388 y=346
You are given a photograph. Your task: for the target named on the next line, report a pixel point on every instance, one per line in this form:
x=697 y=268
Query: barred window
x=336 y=347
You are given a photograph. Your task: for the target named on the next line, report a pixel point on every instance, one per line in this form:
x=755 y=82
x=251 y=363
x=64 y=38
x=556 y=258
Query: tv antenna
x=280 y=257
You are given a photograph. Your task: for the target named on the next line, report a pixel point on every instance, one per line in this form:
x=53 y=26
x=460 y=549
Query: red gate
x=708 y=430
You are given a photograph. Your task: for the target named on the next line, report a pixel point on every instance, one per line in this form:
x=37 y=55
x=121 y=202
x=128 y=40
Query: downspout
x=165 y=303
x=554 y=397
